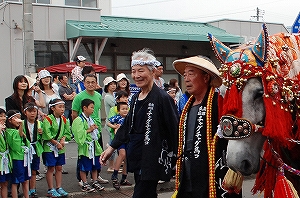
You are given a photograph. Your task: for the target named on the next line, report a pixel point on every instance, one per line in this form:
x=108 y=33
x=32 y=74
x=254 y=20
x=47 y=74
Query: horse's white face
x=243 y=155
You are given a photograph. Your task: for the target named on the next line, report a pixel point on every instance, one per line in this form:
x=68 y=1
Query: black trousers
x=144 y=189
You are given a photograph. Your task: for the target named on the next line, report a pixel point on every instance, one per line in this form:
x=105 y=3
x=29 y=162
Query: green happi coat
x=16 y=144
x=79 y=127
x=4 y=154
x=50 y=130
x=37 y=138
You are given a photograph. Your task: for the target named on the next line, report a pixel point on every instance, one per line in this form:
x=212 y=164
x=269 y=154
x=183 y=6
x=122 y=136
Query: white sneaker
x=102 y=181
x=80 y=183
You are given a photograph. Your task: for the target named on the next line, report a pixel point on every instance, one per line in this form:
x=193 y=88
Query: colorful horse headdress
x=263 y=59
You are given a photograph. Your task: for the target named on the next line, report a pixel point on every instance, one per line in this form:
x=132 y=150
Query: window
x=50 y=53
x=169 y=63
x=73 y=2
x=106 y=61
x=43 y=1
x=82 y=3
x=123 y=63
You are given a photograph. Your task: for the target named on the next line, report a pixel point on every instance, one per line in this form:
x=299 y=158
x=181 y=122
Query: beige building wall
x=49 y=24
x=247 y=29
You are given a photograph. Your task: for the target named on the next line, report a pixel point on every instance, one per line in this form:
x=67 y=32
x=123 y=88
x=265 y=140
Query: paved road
x=70 y=183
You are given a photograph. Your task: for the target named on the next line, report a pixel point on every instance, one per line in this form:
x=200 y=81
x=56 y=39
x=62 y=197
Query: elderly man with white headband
x=150 y=129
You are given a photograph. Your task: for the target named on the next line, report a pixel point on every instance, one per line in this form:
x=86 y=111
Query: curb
x=164 y=187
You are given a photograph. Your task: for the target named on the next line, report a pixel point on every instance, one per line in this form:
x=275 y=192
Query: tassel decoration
x=283 y=187
x=233 y=182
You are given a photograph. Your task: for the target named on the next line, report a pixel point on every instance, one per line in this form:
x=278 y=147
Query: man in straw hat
x=200 y=167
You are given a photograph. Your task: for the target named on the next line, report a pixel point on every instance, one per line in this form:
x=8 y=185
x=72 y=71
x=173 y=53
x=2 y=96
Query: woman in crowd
x=20 y=96
x=47 y=90
x=109 y=101
x=123 y=84
x=174 y=83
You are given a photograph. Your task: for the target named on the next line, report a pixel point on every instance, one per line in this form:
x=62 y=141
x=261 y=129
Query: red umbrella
x=67 y=67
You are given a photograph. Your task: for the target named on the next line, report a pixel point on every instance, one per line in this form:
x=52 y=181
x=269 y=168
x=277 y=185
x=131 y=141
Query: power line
x=215 y=15
x=259 y=14
x=142 y=4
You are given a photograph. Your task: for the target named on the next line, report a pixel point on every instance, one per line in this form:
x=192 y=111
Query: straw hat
x=31 y=81
x=202 y=63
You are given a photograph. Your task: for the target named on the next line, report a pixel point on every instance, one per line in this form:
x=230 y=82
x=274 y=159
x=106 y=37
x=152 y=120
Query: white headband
x=173 y=89
x=59 y=102
x=30 y=107
x=154 y=63
x=13 y=115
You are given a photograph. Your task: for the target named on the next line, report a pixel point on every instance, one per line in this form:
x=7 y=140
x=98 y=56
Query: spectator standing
x=56 y=82
x=201 y=165
x=151 y=142
x=86 y=135
x=121 y=96
x=32 y=128
x=20 y=96
x=157 y=78
x=56 y=131
x=110 y=85
x=6 y=166
x=109 y=101
x=174 y=83
x=87 y=70
x=182 y=101
x=33 y=89
x=171 y=91
x=19 y=150
x=115 y=122
x=67 y=94
x=47 y=90
x=76 y=72
x=90 y=82
x=123 y=83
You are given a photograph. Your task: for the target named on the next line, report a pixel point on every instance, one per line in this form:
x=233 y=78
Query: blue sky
x=275 y=11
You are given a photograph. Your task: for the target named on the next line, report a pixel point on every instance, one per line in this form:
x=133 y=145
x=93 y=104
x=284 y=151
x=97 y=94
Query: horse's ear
x=260 y=47
x=221 y=50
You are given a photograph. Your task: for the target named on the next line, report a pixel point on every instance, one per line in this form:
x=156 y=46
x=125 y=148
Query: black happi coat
x=198 y=185
x=151 y=131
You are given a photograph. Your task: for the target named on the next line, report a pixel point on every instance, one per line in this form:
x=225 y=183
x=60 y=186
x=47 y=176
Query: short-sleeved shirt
x=117 y=119
x=66 y=90
x=76 y=105
x=109 y=101
x=47 y=99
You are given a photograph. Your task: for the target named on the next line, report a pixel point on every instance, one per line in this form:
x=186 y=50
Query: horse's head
x=257 y=100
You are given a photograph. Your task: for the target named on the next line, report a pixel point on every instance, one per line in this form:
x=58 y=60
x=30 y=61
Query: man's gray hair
x=146 y=57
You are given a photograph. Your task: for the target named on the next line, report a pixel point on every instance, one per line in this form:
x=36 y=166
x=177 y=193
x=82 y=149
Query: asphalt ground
x=70 y=182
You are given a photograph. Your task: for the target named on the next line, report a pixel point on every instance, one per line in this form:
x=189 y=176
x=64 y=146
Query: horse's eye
x=259 y=94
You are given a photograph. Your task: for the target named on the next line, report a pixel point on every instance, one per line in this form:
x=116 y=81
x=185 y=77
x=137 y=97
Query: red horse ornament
x=260 y=111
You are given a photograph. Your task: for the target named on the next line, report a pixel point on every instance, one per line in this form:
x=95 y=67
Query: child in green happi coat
x=5 y=160
x=56 y=130
x=86 y=135
x=32 y=128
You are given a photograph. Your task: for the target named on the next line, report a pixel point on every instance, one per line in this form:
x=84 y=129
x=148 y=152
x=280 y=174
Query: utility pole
x=28 y=38
x=259 y=14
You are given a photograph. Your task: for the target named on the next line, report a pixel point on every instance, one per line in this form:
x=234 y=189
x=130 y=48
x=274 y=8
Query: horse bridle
x=233 y=127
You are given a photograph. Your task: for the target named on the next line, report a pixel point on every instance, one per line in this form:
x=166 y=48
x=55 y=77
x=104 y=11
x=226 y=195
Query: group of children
x=23 y=142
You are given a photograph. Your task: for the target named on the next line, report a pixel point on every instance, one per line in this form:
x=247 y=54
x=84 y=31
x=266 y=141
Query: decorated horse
x=260 y=109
